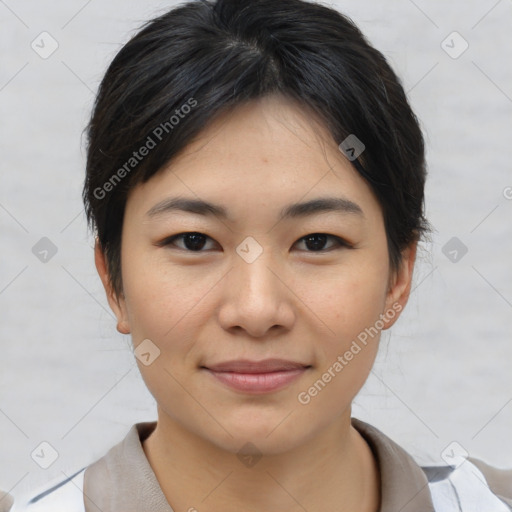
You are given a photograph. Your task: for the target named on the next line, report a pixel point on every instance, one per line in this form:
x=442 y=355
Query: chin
x=245 y=443
x=269 y=434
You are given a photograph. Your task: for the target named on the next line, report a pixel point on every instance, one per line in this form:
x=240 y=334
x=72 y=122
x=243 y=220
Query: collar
x=125 y=468
x=404 y=485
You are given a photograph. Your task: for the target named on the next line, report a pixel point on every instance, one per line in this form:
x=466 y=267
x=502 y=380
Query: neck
x=336 y=470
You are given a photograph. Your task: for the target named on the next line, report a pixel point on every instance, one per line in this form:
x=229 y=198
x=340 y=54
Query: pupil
x=197 y=241
x=318 y=241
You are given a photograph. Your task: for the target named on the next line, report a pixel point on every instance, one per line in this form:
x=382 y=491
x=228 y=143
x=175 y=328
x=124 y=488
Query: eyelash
x=342 y=244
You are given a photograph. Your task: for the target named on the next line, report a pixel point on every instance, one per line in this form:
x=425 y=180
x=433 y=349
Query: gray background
x=443 y=373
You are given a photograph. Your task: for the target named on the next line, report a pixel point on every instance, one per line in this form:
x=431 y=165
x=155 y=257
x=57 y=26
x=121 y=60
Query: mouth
x=256 y=377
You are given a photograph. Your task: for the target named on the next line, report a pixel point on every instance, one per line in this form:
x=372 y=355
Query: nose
x=256 y=298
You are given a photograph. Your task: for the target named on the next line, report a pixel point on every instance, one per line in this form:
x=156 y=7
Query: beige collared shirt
x=123 y=480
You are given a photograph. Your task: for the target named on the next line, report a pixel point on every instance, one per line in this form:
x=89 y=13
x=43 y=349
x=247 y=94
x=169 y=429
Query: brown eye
x=192 y=241
x=316 y=242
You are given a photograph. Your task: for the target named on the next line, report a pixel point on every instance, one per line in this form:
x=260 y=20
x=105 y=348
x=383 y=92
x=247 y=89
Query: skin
x=295 y=301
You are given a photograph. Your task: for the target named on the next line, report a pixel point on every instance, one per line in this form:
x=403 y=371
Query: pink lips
x=257 y=376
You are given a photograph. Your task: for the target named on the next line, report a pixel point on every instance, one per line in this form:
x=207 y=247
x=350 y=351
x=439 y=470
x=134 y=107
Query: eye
x=316 y=242
x=193 y=241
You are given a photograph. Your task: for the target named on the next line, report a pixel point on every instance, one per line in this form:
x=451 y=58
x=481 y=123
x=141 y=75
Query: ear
x=117 y=303
x=400 y=285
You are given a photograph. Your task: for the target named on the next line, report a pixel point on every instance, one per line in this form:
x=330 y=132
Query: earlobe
x=117 y=303
x=400 y=284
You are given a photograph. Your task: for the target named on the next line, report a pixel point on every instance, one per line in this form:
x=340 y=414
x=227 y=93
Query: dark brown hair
x=184 y=68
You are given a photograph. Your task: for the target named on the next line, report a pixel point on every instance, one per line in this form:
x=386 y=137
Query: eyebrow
x=295 y=210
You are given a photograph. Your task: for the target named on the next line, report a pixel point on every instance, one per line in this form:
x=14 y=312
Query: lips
x=256 y=377
x=265 y=366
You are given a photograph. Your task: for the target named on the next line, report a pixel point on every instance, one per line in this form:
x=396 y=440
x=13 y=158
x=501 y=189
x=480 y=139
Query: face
x=312 y=286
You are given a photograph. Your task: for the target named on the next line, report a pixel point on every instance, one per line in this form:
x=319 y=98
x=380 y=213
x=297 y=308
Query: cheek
x=346 y=300
x=350 y=306
x=166 y=305
x=347 y=308
x=164 y=301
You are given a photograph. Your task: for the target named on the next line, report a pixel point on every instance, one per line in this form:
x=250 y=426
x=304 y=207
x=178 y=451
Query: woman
x=255 y=177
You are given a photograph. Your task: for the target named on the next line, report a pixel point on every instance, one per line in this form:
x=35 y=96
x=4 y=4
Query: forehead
x=264 y=154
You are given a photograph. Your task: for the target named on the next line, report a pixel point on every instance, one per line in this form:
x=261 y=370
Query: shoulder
x=64 y=495
x=471 y=485
x=466 y=485
x=499 y=480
